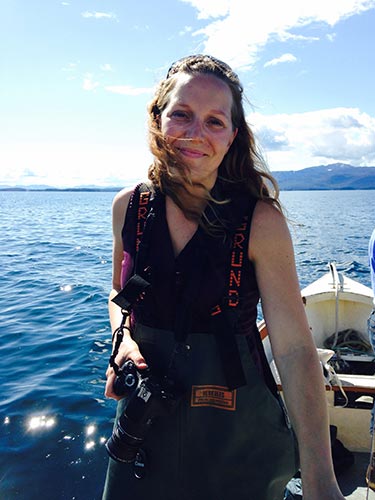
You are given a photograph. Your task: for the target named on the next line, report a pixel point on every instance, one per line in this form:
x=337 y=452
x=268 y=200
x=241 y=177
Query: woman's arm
x=295 y=354
x=128 y=348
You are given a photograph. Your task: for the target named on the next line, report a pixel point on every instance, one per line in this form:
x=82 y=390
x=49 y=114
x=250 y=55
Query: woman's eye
x=180 y=115
x=215 y=122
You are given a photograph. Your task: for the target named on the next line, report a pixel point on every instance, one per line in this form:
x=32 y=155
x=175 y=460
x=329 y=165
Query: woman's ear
x=235 y=131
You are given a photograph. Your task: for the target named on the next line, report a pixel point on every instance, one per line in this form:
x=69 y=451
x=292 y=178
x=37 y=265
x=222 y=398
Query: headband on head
x=175 y=67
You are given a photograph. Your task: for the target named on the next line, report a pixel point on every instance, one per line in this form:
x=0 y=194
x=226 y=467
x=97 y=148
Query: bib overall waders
x=218 y=443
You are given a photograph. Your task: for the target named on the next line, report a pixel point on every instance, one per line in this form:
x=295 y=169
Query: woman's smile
x=190 y=153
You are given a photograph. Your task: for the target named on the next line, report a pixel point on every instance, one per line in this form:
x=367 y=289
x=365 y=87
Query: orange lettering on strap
x=144 y=197
x=141 y=216
x=137 y=243
x=236 y=261
x=234 y=298
x=242 y=226
x=215 y=310
x=238 y=240
x=235 y=278
x=142 y=213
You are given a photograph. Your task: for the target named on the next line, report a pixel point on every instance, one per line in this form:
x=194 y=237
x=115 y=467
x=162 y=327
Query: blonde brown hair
x=243 y=165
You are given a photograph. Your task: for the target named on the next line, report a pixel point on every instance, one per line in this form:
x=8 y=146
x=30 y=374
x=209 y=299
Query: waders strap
x=223 y=326
x=142 y=212
x=224 y=317
x=145 y=217
x=136 y=286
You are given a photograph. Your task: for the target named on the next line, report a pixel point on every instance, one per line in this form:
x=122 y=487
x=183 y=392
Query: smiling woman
x=217 y=92
x=199 y=415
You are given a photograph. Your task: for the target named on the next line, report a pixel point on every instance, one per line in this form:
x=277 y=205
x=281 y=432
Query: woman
x=228 y=435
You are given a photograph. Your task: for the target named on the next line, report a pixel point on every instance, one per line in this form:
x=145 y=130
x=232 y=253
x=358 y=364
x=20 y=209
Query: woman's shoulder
x=267 y=213
x=269 y=229
x=122 y=198
x=126 y=199
x=121 y=201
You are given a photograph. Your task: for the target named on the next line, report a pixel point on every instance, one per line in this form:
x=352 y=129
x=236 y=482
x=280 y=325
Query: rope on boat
x=337 y=287
x=345 y=341
x=349 y=340
x=331 y=378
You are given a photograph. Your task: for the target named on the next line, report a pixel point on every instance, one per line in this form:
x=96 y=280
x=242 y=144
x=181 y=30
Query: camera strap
x=118 y=335
x=133 y=291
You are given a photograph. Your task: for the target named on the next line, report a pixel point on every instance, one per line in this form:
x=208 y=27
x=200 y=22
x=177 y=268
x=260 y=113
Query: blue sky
x=76 y=77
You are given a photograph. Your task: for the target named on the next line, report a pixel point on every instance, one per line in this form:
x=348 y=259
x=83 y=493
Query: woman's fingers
x=127 y=351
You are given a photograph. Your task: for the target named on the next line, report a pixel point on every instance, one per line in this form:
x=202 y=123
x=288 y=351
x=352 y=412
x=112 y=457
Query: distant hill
x=326 y=177
x=78 y=189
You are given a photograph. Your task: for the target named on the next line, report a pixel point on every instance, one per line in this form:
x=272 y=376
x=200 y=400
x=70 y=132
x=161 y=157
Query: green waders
x=218 y=444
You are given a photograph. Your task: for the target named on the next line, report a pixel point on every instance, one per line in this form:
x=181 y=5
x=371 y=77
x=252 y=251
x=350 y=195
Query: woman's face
x=197 y=123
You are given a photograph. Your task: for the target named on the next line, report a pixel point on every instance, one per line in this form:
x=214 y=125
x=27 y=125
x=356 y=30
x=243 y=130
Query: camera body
x=148 y=397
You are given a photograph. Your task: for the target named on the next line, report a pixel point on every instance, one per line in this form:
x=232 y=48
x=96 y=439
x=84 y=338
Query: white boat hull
x=335 y=303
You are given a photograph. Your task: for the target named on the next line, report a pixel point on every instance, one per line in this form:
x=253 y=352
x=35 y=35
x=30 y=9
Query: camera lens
x=122 y=446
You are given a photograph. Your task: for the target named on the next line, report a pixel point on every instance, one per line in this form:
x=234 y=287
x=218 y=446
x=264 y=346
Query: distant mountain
x=323 y=177
x=326 y=177
x=51 y=188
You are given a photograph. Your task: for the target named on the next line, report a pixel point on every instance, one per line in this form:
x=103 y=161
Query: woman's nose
x=195 y=129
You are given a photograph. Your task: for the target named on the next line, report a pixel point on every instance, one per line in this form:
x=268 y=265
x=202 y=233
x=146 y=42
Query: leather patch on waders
x=216 y=396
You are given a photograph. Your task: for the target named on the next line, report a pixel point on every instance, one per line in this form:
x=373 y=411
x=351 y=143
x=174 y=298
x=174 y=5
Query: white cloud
x=70 y=67
x=284 y=37
x=187 y=29
x=331 y=37
x=99 y=15
x=300 y=140
x=129 y=90
x=210 y=8
x=88 y=83
x=68 y=164
x=106 y=67
x=285 y=58
x=142 y=28
x=237 y=37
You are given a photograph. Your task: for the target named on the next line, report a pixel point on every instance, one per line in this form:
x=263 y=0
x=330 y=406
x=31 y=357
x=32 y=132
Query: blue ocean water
x=55 y=275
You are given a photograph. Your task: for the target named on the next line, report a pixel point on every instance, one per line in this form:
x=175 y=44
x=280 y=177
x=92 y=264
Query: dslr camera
x=148 y=397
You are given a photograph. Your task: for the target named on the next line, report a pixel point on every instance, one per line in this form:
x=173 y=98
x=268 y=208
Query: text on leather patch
x=213 y=395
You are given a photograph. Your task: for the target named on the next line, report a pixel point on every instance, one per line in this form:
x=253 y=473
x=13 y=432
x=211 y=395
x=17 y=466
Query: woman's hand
x=128 y=350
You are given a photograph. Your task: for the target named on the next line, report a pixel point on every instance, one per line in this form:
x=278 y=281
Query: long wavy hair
x=241 y=168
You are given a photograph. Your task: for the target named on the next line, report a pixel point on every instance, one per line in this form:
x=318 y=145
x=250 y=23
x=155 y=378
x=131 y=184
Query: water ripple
x=55 y=272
